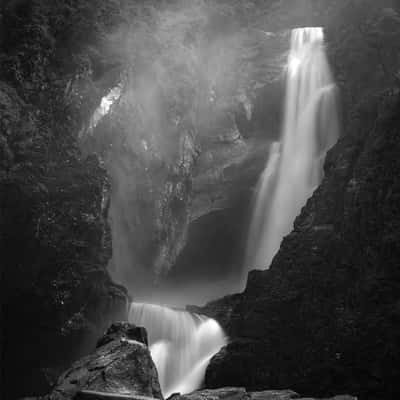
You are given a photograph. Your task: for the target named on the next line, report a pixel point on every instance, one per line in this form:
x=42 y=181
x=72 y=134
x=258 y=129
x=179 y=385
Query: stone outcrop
x=93 y=395
x=125 y=330
x=54 y=232
x=120 y=366
x=238 y=393
x=324 y=318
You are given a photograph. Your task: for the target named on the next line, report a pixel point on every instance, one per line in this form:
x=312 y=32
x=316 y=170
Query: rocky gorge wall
x=324 y=318
x=58 y=60
x=181 y=158
x=57 y=296
x=184 y=147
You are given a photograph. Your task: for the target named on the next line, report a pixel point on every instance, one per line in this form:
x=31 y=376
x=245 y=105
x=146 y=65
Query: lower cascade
x=295 y=166
x=181 y=344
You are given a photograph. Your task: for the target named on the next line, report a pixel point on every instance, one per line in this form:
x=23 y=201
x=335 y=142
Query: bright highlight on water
x=295 y=166
x=181 y=344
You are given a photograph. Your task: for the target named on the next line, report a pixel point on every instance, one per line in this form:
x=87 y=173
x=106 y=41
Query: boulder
x=274 y=395
x=120 y=366
x=125 y=330
x=93 y=395
x=238 y=393
x=227 y=393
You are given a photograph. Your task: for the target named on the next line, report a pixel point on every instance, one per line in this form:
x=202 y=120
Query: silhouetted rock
x=93 y=395
x=277 y=395
x=120 y=330
x=238 y=393
x=323 y=318
x=119 y=366
x=54 y=232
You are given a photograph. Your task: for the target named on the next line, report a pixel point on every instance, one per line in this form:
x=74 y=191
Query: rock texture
x=122 y=366
x=57 y=297
x=324 y=318
x=93 y=395
x=184 y=162
x=124 y=330
x=237 y=393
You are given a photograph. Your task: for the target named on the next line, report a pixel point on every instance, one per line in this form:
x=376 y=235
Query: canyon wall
x=57 y=296
x=324 y=318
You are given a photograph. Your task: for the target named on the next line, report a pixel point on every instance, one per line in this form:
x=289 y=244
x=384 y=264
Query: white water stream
x=181 y=344
x=295 y=166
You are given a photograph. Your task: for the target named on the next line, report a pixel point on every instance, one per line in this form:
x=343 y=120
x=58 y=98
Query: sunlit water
x=181 y=344
x=295 y=166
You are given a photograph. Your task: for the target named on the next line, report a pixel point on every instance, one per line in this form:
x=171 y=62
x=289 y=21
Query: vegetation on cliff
x=57 y=295
x=191 y=74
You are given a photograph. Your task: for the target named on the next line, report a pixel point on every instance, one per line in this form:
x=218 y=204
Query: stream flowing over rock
x=181 y=344
x=324 y=318
x=295 y=166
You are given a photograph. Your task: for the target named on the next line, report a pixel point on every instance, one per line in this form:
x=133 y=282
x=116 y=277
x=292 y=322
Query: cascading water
x=295 y=167
x=181 y=344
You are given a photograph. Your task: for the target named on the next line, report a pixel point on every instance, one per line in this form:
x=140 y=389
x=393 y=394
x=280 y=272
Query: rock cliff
x=179 y=155
x=57 y=296
x=324 y=318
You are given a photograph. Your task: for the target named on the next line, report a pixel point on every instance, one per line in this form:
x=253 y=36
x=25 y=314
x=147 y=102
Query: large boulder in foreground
x=238 y=393
x=121 y=365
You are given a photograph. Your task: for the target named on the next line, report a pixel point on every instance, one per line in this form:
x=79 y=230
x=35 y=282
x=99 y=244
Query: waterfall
x=295 y=166
x=181 y=344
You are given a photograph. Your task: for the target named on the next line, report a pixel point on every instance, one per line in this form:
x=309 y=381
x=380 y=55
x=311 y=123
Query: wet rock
x=227 y=393
x=238 y=393
x=93 y=395
x=274 y=395
x=119 y=366
x=321 y=319
x=53 y=223
x=124 y=330
x=222 y=310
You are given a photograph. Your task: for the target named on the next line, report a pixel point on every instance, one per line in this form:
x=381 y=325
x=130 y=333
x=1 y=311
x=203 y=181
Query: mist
x=185 y=74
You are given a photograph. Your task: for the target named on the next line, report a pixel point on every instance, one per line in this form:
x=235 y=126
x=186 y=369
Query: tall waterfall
x=295 y=166
x=181 y=344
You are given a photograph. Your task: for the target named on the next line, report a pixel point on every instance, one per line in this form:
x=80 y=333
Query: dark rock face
x=121 y=366
x=120 y=330
x=222 y=190
x=222 y=310
x=239 y=393
x=93 y=395
x=183 y=174
x=57 y=61
x=324 y=318
x=57 y=297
